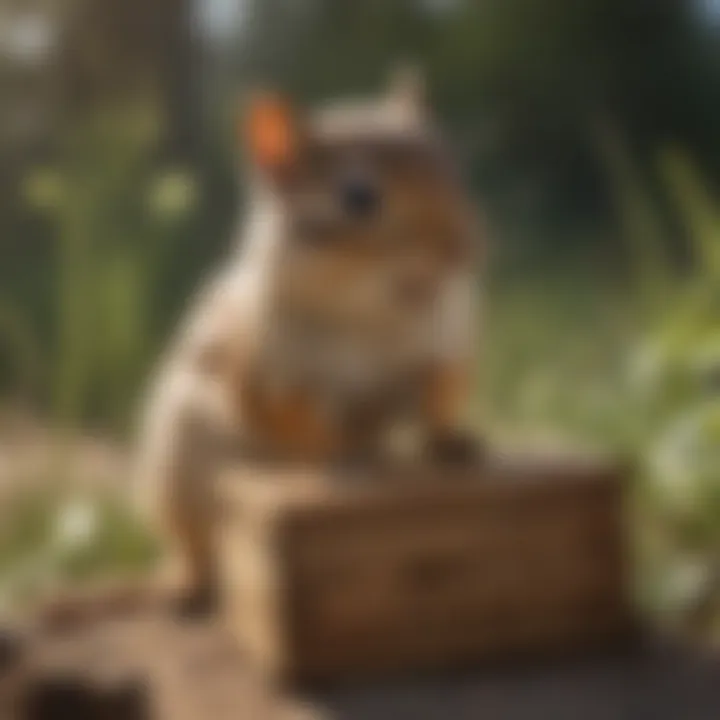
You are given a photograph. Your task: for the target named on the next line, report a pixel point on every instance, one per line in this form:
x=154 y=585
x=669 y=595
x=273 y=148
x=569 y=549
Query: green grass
x=51 y=539
x=561 y=358
x=632 y=368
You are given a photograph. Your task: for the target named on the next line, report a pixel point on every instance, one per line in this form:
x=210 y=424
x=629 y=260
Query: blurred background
x=590 y=133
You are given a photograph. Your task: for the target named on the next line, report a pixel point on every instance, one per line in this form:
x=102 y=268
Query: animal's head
x=377 y=217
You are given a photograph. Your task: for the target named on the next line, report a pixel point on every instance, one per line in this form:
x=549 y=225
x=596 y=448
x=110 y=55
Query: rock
x=12 y=644
x=58 y=696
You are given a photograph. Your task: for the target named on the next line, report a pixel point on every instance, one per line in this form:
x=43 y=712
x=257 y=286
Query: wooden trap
x=328 y=578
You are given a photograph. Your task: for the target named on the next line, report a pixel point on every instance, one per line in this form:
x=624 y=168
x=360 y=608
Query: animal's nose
x=359 y=197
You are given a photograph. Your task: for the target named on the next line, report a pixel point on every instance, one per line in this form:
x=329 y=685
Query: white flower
x=646 y=366
x=686 y=455
x=684 y=582
x=76 y=523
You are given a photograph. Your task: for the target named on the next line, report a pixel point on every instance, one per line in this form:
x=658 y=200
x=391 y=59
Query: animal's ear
x=270 y=131
x=407 y=88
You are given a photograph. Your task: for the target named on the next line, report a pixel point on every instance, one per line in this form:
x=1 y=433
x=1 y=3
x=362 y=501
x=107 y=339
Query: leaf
x=697 y=207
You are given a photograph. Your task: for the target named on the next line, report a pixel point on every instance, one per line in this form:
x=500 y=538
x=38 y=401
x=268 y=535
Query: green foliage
x=116 y=216
x=50 y=540
x=627 y=357
x=633 y=367
x=520 y=84
x=677 y=366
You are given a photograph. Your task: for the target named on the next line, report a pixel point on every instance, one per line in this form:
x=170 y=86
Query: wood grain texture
x=330 y=577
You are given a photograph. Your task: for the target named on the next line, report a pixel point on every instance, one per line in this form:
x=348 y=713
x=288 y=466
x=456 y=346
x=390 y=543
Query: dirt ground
x=153 y=666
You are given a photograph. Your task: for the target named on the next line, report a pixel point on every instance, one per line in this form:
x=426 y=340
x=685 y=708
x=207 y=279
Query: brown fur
x=327 y=328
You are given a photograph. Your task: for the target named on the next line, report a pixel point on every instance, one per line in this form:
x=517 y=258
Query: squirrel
x=348 y=304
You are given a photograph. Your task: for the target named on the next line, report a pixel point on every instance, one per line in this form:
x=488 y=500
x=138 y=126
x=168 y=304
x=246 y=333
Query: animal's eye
x=360 y=197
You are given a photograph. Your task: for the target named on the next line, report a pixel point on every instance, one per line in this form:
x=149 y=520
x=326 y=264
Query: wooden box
x=328 y=577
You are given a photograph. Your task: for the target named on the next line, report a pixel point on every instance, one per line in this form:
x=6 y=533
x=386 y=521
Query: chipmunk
x=348 y=305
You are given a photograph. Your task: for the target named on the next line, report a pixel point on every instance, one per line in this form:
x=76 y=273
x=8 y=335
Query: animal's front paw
x=356 y=465
x=196 y=602
x=456 y=447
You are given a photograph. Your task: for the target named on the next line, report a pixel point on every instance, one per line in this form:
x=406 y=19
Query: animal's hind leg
x=189 y=566
x=188 y=519
x=179 y=462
